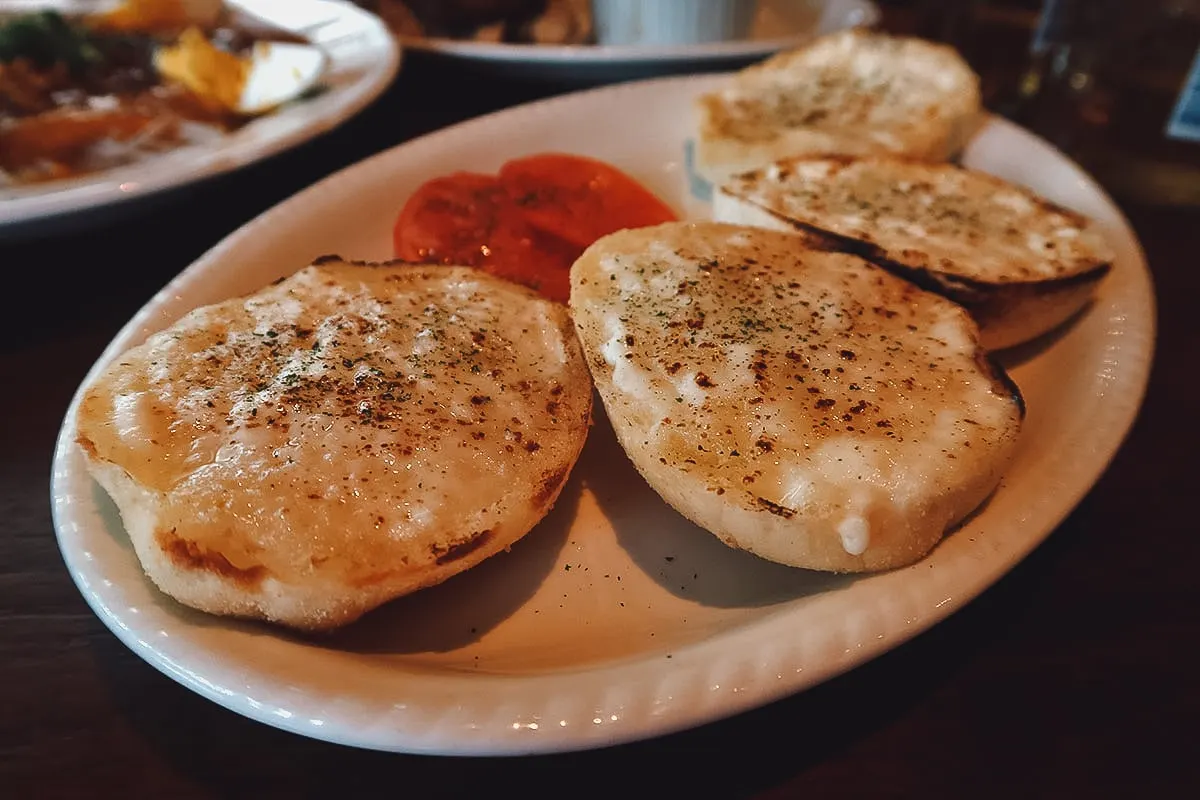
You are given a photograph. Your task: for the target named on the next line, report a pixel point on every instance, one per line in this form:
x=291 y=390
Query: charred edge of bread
x=462 y=548
x=984 y=300
x=333 y=258
x=981 y=300
x=329 y=258
x=87 y=445
x=1002 y=382
x=962 y=289
x=189 y=556
x=989 y=303
x=784 y=169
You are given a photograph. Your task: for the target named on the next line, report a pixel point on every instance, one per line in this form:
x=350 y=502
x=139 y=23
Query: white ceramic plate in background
x=779 y=24
x=363 y=60
x=615 y=619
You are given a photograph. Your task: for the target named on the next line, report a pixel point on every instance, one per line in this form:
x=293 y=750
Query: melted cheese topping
x=353 y=414
x=942 y=217
x=805 y=384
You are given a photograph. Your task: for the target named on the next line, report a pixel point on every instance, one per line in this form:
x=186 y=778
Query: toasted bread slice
x=804 y=405
x=343 y=437
x=1020 y=264
x=854 y=92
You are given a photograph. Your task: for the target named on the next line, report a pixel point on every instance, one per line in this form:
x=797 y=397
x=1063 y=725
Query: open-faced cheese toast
x=853 y=92
x=804 y=405
x=1020 y=264
x=339 y=438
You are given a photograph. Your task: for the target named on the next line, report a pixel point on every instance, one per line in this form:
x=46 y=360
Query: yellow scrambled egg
x=204 y=69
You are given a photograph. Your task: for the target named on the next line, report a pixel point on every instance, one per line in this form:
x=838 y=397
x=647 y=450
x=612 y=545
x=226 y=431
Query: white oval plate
x=778 y=25
x=363 y=59
x=615 y=619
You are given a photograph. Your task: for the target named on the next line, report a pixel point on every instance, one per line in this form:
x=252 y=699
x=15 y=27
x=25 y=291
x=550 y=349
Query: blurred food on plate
x=86 y=92
x=561 y=22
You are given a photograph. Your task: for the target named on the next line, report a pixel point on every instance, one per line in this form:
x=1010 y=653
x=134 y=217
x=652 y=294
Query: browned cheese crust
x=340 y=438
x=804 y=405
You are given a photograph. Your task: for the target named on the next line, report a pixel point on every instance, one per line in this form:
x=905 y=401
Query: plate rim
x=95 y=193
x=1123 y=415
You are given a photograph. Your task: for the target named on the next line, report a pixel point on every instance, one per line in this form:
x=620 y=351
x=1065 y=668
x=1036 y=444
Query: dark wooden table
x=1077 y=676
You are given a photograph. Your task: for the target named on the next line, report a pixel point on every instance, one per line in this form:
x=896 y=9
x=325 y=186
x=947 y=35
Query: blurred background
x=1112 y=82
x=1102 y=79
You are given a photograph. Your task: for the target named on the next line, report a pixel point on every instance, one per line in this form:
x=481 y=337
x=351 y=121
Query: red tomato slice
x=448 y=219
x=543 y=263
x=529 y=223
x=580 y=199
x=469 y=219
